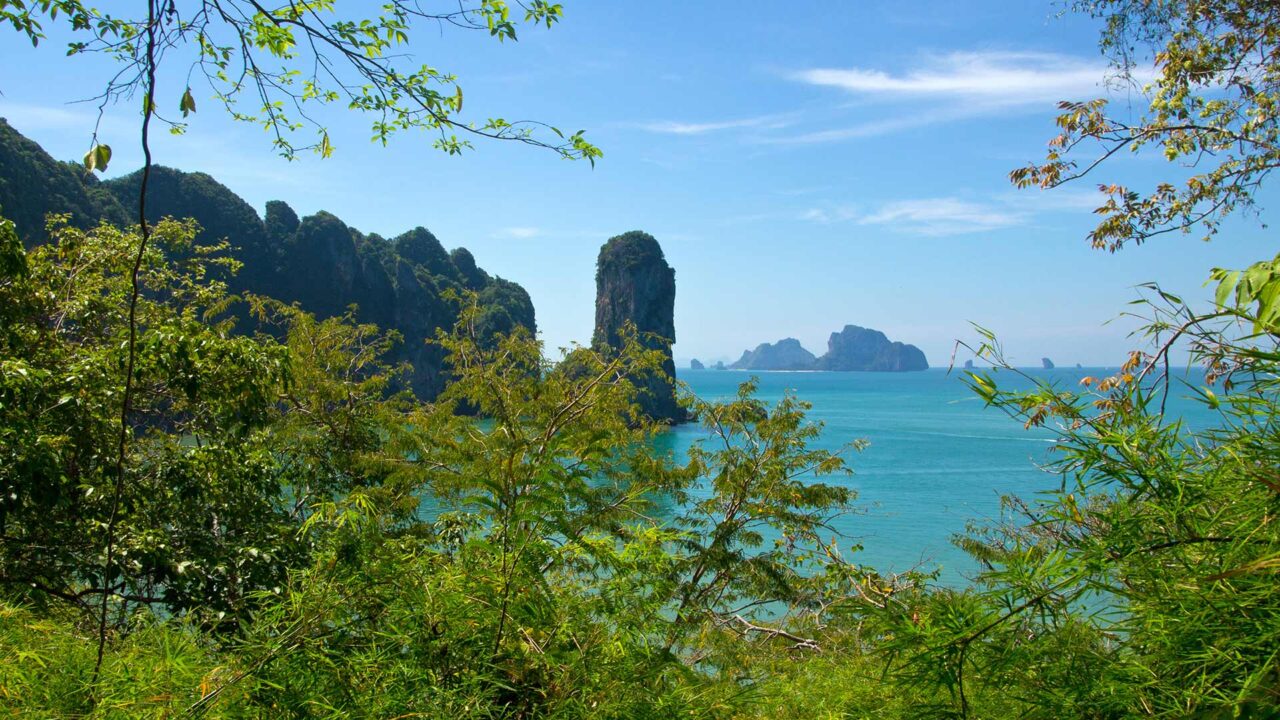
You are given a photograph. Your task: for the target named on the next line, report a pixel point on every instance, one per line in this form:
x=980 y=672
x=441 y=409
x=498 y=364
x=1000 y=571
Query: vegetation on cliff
x=317 y=261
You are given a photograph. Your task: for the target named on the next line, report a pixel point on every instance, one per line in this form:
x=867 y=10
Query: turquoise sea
x=937 y=459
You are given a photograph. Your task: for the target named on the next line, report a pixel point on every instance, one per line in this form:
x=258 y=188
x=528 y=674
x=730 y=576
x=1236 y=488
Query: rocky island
x=786 y=354
x=863 y=349
x=853 y=349
x=695 y=364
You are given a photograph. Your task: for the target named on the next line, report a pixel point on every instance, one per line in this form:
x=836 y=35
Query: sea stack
x=1046 y=363
x=635 y=284
x=696 y=364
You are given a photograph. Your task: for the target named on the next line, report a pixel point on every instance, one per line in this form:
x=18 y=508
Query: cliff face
x=786 y=354
x=317 y=261
x=858 y=348
x=635 y=284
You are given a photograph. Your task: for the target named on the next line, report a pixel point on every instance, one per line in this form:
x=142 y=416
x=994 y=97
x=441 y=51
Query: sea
x=937 y=457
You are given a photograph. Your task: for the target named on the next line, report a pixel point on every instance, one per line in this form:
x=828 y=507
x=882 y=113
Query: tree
x=272 y=66
x=1145 y=586
x=197 y=467
x=1212 y=106
x=323 y=56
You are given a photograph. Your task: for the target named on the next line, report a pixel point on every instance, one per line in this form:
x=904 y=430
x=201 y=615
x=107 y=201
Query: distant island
x=696 y=364
x=853 y=349
x=1047 y=363
x=786 y=354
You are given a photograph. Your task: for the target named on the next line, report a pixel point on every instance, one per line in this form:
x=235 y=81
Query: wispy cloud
x=518 y=233
x=673 y=127
x=950 y=87
x=996 y=77
x=942 y=216
x=927 y=216
x=1062 y=199
x=826 y=216
x=875 y=128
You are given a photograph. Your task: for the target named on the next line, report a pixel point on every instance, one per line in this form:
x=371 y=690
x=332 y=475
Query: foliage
x=1213 y=106
x=195 y=463
x=297 y=537
x=276 y=67
x=1145 y=585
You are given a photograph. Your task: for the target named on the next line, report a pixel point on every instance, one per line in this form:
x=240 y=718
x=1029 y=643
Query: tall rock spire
x=635 y=284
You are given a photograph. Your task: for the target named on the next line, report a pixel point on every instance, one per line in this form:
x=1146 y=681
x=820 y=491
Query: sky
x=805 y=165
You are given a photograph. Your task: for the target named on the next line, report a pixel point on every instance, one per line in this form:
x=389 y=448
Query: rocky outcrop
x=635 y=285
x=968 y=364
x=695 y=364
x=859 y=348
x=1046 y=363
x=786 y=354
x=719 y=365
x=318 y=261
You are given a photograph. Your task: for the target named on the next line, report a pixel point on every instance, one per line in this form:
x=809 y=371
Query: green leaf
x=188 y=103
x=458 y=96
x=1227 y=283
x=97 y=158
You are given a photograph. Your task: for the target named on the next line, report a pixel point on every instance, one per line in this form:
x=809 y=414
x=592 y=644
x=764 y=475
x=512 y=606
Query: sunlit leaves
x=1212 y=105
x=97 y=157
x=1253 y=292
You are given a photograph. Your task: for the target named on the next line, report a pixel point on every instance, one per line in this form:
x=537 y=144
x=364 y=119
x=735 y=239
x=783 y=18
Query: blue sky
x=805 y=166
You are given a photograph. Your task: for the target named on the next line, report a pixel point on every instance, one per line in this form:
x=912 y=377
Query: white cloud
x=672 y=127
x=955 y=86
x=827 y=216
x=873 y=128
x=1067 y=199
x=518 y=233
x=942 y=216
x=927 y=216
x=989 y=77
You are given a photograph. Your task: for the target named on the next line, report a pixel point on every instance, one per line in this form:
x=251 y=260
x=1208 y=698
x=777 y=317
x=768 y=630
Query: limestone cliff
x=634 y=284
x=786 y=354
x=318 y=261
